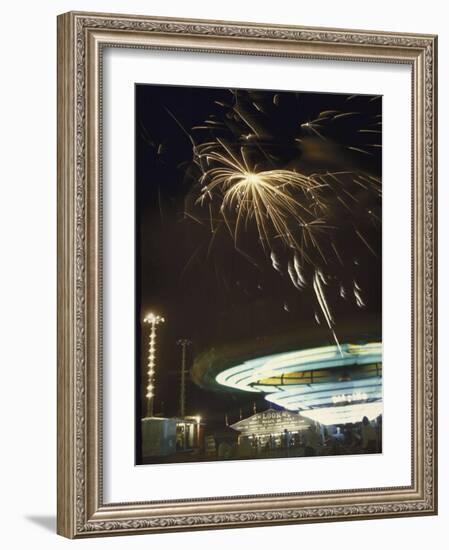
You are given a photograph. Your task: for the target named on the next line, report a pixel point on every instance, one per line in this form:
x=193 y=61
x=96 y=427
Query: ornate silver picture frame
x=82 y=508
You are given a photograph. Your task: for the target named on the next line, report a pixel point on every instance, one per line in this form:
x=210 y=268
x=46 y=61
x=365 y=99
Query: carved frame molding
x=81 y=39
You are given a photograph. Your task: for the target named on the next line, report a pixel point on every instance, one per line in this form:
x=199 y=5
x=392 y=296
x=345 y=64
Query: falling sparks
x=357 y=295
x=285 y=206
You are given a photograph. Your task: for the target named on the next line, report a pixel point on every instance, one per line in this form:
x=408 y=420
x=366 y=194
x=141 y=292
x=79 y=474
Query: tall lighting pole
x=184 y=343
x=152 y=320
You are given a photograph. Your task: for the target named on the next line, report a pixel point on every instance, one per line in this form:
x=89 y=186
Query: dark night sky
x=212 y=293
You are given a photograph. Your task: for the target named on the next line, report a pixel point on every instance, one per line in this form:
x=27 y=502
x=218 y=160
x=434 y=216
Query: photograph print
x=258 y=247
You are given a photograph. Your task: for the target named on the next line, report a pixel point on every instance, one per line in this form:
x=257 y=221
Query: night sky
x=219 y=291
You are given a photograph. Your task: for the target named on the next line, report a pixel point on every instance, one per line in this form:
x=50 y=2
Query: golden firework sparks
x=272 y=198
x=285 y=208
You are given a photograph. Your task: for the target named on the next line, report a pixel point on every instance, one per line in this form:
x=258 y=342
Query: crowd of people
x=363 y=437
x=316 y=440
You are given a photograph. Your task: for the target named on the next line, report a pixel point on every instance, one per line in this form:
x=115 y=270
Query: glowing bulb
x=153 y=319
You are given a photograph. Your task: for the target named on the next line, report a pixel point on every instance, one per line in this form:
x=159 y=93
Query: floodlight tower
x=153 y=320
x=184 y=343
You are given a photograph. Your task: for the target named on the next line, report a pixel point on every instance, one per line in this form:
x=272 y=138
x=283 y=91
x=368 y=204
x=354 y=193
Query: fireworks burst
x=252 y=180
x=268 y=197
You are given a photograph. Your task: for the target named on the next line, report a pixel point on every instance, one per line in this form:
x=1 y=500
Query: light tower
x=184 y=343
x=153 y=320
